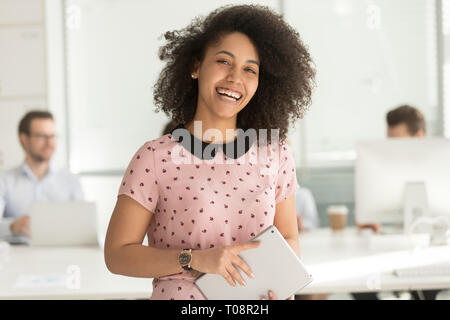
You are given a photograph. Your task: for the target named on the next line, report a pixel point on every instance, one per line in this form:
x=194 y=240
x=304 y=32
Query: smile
x=228 y=94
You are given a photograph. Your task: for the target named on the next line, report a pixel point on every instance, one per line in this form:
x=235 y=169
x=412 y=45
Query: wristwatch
x=185 y=258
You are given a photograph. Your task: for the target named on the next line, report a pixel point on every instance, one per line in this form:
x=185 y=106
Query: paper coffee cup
x=337 y=216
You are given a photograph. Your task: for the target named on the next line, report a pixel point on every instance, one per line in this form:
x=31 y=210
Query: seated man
x=36 y=179
x=405 y=122
x=402 y=122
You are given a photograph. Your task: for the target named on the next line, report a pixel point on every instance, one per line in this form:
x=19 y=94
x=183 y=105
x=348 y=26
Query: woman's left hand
x=272 y=296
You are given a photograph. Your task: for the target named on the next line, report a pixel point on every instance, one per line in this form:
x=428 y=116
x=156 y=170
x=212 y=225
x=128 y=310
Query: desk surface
x=350 y=261
x=52 y=273
x=339 y=262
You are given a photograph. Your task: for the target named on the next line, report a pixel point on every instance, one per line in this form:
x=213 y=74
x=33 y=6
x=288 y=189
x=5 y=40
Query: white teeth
x=229 y=98
x=229 y=93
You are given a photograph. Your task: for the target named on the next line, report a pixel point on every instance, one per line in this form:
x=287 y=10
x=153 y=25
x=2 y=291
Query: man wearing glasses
x=36 y=179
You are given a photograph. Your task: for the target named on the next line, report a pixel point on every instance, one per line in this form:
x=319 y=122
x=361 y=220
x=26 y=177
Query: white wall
x=112 y=67
x=371 y=56
x=22 y=71
x=446 y=71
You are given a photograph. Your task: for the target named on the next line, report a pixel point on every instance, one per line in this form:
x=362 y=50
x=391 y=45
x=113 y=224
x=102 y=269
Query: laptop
x=13 y=239
x=63 y=224
x=275 y=266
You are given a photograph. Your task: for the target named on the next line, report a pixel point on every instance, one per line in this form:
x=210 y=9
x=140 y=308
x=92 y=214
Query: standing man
x=36 y=179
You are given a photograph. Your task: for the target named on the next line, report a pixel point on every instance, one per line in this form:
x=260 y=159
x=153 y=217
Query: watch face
x=184 y=258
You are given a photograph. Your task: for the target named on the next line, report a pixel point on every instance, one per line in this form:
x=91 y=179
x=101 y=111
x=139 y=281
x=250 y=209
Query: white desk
x=53 y=265
x=350 y=262
x=344 y=262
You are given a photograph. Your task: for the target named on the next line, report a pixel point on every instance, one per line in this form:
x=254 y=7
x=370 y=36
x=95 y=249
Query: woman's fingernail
x=252 y=275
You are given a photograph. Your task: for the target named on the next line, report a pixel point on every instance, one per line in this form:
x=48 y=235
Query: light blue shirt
x=305 y=205
x=19 y=189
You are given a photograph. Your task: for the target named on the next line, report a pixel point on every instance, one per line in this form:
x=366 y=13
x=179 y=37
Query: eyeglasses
x=43 y=137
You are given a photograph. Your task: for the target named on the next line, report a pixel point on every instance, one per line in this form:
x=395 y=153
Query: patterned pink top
x=205 y=204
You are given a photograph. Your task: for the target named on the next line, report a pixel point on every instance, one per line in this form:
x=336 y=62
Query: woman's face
x=227 y=76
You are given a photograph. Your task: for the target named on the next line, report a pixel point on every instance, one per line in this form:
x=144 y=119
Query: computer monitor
x=402 y=176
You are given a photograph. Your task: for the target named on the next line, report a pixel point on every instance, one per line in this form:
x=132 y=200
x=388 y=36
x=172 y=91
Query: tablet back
x=275 y=265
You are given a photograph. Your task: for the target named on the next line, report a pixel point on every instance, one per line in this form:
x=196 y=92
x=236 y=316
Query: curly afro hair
x=286 y=76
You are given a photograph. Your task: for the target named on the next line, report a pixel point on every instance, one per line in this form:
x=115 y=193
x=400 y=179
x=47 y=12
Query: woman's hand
x=224 y=261
x=272 y=296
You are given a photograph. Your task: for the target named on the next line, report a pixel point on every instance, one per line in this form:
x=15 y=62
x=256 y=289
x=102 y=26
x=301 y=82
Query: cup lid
x=337 y=209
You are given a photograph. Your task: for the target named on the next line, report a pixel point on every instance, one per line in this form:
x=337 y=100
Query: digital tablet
x=275 y=265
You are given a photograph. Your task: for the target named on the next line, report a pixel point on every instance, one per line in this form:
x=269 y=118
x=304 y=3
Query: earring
x=193 y=76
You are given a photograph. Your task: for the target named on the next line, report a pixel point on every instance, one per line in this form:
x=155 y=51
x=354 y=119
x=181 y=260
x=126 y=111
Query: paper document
x=30 y=281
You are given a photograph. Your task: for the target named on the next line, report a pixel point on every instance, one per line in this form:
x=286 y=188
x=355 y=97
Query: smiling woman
x=276 y=57
x=242 y=67
x=227 y=78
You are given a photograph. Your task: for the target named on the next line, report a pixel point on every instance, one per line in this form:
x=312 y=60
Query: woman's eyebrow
x=232 y=56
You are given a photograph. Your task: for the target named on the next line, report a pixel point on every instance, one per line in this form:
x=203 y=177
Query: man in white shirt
x=36 y=179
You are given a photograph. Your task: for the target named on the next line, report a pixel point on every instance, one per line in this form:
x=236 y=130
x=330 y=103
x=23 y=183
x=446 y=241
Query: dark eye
x=223 y=61
x=250 y=70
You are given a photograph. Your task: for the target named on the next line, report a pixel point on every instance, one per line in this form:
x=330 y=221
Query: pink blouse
x=205 y=203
